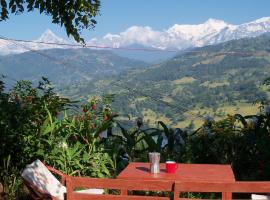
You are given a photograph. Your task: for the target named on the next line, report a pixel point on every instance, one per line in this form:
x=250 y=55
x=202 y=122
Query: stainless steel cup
x=154 y=159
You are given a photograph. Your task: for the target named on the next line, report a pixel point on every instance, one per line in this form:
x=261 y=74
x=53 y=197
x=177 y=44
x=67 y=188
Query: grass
x=151 y=117
x=196 y=114
x=184 y=80
x=139 y=99
x=211 y=60
x=167 y=99
x=177 y=90
x=215 y=84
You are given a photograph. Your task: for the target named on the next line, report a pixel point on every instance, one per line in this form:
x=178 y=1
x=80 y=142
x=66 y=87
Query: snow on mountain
x=196 y=35
x=49 y=36
x=15 y=47
x=178 y=36
x=194 y=32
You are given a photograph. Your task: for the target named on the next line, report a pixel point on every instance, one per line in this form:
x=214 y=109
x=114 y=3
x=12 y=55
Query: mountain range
x=177 y=37
x=214 y=80
x=181 y=36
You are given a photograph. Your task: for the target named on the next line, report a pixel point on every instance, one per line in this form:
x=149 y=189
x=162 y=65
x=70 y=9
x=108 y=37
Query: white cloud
x=177 y=36
x=133 y=35
x=184 y=36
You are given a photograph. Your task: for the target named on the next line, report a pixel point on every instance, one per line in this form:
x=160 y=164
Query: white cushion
x=260 y=197
x=91 y=191
x=37 y=174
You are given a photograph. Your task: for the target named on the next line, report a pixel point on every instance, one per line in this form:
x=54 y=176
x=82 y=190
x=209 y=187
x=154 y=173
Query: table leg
x=226 y=196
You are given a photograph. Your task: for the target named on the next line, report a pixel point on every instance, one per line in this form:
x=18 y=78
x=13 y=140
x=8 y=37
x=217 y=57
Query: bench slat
x=225 y=188
x=115 y=197
x=118 y=184
x=148 y=185
x=241 y=187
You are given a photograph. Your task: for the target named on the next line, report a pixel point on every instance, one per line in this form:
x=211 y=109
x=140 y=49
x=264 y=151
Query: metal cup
x=154 y=159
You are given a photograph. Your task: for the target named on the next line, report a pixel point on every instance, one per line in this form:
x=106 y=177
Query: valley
x=183 y=90
x=211 y=81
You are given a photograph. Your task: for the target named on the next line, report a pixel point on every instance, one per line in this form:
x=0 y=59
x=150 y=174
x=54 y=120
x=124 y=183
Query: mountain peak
x=49 y=36
x=263 y=19
x=48 y=32
x=213 y=20
x=215 y=23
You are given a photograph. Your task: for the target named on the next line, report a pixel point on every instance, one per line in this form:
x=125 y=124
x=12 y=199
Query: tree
x=74 y=15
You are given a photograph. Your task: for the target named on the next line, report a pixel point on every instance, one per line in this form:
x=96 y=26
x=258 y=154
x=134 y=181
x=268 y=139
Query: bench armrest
x=59 y=173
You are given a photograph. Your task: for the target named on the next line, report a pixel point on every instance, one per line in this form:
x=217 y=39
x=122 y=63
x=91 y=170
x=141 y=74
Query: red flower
x=94 y=107
x=93 y=125
x=29 y=98
x=106 y=117
x=85 y=110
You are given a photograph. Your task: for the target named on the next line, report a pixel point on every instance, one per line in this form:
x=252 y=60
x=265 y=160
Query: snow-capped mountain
x=179 y=37
x=49 y=36
x=13 y=47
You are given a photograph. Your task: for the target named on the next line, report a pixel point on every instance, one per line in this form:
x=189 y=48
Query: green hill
x=215 y=80
x=65 y=66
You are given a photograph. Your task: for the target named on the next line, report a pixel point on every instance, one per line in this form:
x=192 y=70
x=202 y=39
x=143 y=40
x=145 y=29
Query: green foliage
x=23 y=112
x=34 y=125
x=127 y=145
x=10 y=177
x=137 y=143
x=73 y=15
x=76 y=147
x=240 y=141
x=134 y=144
x=168 y=141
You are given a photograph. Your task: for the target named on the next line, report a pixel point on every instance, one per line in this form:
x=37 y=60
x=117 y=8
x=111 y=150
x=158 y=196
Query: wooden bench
x=116 y=184
x=225 y=188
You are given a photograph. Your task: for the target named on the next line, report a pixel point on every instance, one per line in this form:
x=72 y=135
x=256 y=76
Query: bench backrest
x=117 y=184
x=41 y=182
x=225 y=188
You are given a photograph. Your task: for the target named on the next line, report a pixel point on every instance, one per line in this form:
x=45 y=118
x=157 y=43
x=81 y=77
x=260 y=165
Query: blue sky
x=118 y=15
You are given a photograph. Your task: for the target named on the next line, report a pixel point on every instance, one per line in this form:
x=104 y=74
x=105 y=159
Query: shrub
x=35 y=124
x=240 y=141
x=23 y=111
x=75 y=143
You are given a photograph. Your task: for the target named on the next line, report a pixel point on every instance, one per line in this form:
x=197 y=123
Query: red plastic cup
x=171 y=167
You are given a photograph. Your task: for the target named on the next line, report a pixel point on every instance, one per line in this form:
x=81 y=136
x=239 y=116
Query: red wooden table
x=184 y=172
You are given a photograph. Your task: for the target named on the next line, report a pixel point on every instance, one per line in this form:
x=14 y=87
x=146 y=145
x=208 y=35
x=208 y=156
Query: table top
x=184 y=172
